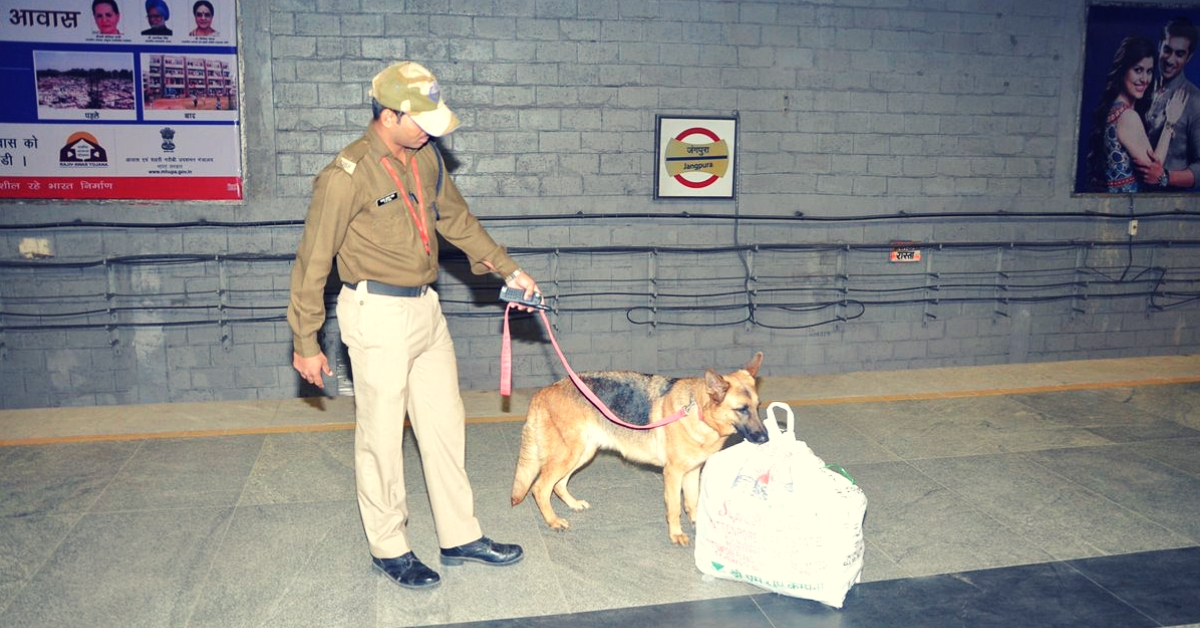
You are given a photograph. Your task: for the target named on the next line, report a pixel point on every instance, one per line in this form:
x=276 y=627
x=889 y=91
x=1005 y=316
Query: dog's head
x=735 y=402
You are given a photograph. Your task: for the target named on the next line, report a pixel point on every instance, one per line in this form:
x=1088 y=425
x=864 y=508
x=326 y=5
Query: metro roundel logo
x=684 y=156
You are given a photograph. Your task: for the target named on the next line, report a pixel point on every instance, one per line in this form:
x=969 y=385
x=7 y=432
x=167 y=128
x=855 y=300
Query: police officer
x=377 y=209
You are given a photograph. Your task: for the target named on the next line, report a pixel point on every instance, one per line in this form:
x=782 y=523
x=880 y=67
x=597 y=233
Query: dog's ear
x=756 y=362
x=717 y=386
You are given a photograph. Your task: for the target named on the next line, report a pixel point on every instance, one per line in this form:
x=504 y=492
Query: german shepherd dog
x=563 y=431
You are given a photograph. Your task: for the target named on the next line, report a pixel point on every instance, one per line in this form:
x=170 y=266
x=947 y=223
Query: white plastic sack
x=775 y=516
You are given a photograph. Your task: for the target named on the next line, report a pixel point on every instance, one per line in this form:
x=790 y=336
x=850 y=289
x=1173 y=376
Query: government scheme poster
x=119 y=99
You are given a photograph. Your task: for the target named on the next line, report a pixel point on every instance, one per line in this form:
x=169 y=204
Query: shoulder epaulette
x=350 y=156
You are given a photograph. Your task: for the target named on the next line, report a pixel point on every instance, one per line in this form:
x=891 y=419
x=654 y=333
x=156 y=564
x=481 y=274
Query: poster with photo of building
x=101 y=103
x=175 y=84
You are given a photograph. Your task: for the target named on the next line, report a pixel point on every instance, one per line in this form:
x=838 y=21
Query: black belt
x=388 y=290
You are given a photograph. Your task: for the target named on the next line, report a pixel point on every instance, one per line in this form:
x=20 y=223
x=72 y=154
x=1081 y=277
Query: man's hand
x=312 y=368
x=522 y=281
x=1150 y=169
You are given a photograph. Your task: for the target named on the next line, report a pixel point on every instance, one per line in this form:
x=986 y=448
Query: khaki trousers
x=403 y=361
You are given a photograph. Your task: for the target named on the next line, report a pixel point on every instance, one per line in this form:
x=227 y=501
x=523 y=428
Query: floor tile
x=26 y=543
x=834 y=439
x=183 y=473
x=878 y=565
x=58 y=479
x=123 y=570
x=1179 y=403
x=961 y=427
x=1143 y=431
x=928 y=529
x=1183 y=454
x=1161 y=493
x=1162 y=585
x=1030 y=596
x=719 y=613
x=1055 y=514
x=1089 y=408
x=1120 y=406
x=302 y=467
x=290 y=564
x=629 y=564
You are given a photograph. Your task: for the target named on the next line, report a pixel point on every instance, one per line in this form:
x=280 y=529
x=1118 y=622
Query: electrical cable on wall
x=798 y=217
x=771 y=299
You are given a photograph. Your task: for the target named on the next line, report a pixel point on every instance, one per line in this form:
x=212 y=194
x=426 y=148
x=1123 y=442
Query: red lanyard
x=420 y=221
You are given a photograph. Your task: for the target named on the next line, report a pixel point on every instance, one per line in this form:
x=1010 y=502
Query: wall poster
x=119 y=99
x=694 y=157
x=1139 y=128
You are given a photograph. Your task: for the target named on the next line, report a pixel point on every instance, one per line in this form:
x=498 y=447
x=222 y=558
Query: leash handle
x=506 y=377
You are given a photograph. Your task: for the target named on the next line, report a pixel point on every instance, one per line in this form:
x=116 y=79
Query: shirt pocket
x=388 y=222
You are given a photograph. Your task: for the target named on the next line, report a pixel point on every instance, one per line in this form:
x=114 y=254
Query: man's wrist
x=513 y=275
x=1164 y=179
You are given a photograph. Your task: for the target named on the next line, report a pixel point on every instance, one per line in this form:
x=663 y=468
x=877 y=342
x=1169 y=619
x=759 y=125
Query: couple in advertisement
x=1145 y=133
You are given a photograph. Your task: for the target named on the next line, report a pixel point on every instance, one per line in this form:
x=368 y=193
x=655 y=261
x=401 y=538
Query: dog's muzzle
x=756 y=436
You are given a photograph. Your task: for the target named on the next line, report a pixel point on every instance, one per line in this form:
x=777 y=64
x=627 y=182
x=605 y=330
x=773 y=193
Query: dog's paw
x=560 y=524
x=580 y=505
x=680 y=539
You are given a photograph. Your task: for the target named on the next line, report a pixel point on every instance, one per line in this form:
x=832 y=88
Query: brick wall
x=847 y=111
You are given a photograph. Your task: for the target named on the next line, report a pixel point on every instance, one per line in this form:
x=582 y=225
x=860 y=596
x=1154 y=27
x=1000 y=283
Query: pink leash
x=506 y=378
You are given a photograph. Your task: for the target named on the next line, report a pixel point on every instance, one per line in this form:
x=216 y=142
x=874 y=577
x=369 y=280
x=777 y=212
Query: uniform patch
x=384 y=200
x=346 y=165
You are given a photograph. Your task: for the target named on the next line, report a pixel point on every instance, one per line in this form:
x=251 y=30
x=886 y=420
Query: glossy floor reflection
x=1060 y=506
x=1127 y=591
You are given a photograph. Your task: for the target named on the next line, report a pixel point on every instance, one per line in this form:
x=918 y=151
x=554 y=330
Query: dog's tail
x=529 y=460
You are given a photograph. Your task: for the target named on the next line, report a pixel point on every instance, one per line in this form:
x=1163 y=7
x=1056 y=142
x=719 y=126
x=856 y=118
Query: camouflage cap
x=409 y=88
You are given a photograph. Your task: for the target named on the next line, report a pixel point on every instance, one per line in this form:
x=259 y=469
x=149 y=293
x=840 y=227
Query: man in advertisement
x=1180 y=170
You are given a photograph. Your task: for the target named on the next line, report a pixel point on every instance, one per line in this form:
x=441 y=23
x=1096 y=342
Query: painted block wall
x=861 y=122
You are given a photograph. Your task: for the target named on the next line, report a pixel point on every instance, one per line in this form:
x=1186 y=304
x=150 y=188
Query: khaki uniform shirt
x=358 y=216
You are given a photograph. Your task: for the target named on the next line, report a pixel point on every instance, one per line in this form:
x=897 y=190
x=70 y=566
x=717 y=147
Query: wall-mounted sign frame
x=1132 y=140
x=695 y=157
x=120 y=100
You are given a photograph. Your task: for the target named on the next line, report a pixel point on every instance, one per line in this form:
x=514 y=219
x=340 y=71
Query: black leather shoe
x=484 y=551
x=408 y=571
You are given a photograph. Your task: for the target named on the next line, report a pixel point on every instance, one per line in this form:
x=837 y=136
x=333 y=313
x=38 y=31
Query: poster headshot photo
x=107 y=15
x=1139 y=123
x=108 y=24
x=206 y=21
x=96 y=86
x=158 y=19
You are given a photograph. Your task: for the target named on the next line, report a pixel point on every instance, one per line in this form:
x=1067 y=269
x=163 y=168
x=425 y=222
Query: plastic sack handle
x=772 y=423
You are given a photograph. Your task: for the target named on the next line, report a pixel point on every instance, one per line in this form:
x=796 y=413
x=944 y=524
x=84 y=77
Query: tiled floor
x=1041 y=495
